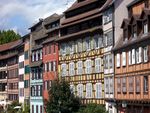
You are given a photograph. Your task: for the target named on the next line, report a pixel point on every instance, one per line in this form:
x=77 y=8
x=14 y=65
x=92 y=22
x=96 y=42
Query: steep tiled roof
x=81 y=16
x=10 y=45
x=80 y=4
x=52 y=18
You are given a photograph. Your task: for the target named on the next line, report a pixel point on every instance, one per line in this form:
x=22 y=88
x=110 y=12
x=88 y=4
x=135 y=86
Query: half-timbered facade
x=81 y=50
x=132 y=61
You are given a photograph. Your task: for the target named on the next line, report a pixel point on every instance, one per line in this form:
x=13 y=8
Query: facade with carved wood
x=81 y=50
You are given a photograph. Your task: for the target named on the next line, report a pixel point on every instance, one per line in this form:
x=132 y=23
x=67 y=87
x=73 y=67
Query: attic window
x=134 y=35
x=145 y=27
x=125 y=32
x=80 y=1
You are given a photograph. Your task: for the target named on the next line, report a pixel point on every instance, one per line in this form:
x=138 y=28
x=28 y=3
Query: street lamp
x=124 y=105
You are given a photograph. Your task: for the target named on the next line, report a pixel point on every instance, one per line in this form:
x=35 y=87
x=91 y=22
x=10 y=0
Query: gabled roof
x=36 y=24
x=52 y=18
x=133 y=3
x=145 y=11
x=107 y=4
x=134 y=17
x=11 y=45
x=125 y=22
x=80 y=4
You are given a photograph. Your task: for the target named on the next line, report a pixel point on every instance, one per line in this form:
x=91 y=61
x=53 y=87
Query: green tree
x=61 y=99
x=8 y=36
x=92 y=108
x=11 y=107
x=26 y=108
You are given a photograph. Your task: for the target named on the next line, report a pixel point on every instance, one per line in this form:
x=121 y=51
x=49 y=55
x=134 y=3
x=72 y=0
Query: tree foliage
x=93 y=108
x=8 y=36
x=61 y=99
x=11 y=107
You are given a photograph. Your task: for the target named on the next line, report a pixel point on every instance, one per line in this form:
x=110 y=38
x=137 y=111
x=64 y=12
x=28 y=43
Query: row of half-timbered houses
x=101 y=47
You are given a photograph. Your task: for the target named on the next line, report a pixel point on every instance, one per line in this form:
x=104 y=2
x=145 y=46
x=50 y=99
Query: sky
x=19 y=15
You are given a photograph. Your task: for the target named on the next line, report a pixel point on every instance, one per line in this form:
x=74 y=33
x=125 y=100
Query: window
x=145 y=84
x=27 y=69
x=106 y=62
x=63 y=49
x=130 y=58
x=123 y=58
x=145 y=54
x=72 y=88
x=97 y=41
x=26 y=83
x=138 y=84
x=133 y=56
x=64 y=70
x=125 y=32
x=40 y=54
x=41 y=109
x=71 y=46
x=131 y=81
x=124 y=90
x=111 y=85
x=37 y=109
x=134 y=35
x=26 y=55
x=145 y=28
x=54 y=65
x=108 y=39
x=89 y=90
x=106 y=85
x=137 y=55
x=118 y=85
x=21 y=77
x=32 y=108
x=98 y=90
x=33 y=56
x=98 y=65
x=79 y=45
x=71 y=68
x=80 y=90
x=88 y=66
x=88 y=43
x=118 y=60
x=79 y=68
x=21 y=91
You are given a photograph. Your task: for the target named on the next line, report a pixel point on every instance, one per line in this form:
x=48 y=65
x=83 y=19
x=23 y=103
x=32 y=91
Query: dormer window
x=134 y=34
x=125 y=32
x=145 y=27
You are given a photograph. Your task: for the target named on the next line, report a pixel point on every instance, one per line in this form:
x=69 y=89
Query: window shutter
x=123 y=58
x=118 y=60
x=140 y=54
x=146 y=54
x=133 y=56
x=129 y=57
x=40 y=54
x=84 y=45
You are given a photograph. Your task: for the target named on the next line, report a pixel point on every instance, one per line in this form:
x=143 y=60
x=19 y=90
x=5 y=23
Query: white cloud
x=31 y=10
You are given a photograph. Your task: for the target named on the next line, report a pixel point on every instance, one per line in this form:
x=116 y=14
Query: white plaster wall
x=21 y=71
x=21 y=58
x=120 y=13
x=21 y=84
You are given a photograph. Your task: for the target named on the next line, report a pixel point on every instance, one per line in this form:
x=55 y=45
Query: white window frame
x=123 y=58
x=79 y=67
x=133 y=56
x=89 y=90
x=118 y=60
x=97 y=65
x=80 y=90
x=88 y=44
x=64 y=70
x=71 y=47
x=130 y=57
x=98 y=90
x=88 y=66
x=63 y=49
x=145 y=28
x=71 y=68
x=145 y=51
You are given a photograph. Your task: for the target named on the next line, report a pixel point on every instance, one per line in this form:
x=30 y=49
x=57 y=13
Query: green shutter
x=27 y=69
